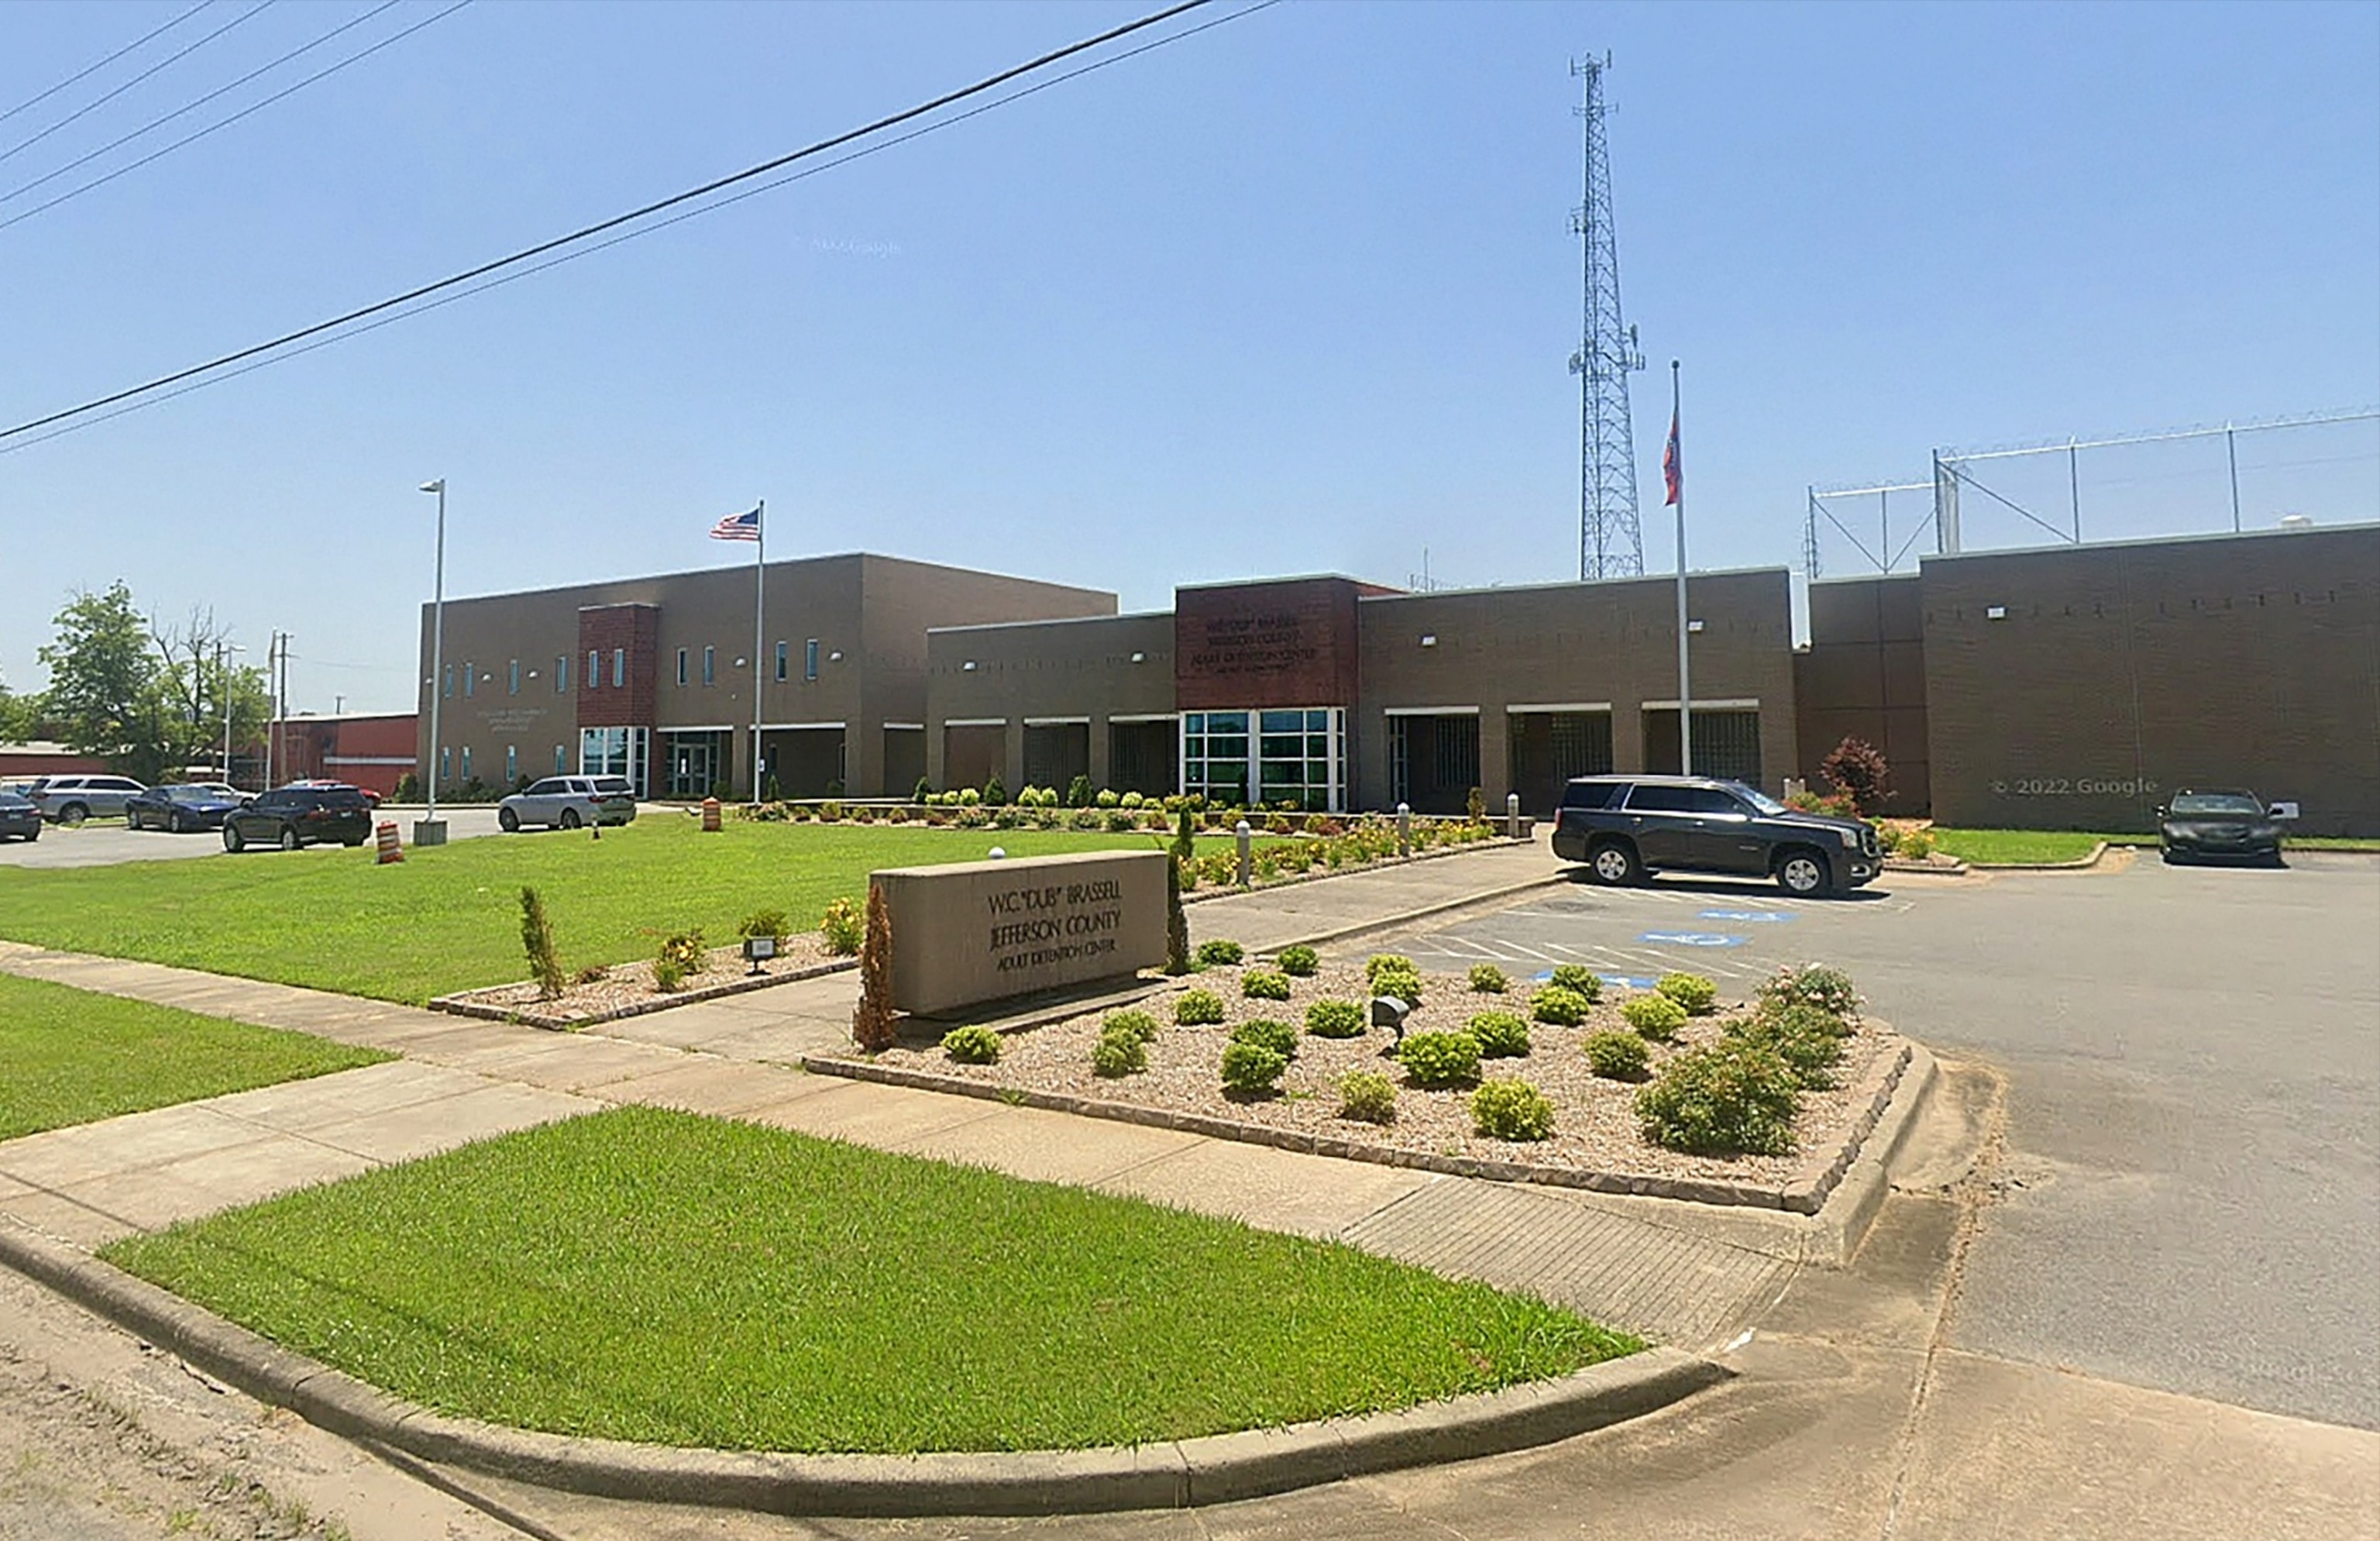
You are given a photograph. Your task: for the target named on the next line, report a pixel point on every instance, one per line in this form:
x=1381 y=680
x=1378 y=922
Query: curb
x=2079 y=863
x=1406 y=918
x=461 y=1004
x=1386 y=863
x=1805 y=1194
x=1842 y=1223
x=1172 y=1474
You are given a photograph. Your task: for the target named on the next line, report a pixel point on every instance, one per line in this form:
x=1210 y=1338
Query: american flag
x=1673 y=465
x=738 y=526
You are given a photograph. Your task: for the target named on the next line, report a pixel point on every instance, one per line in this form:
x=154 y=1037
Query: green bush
x=994 y=794
x=1078 y=793
x=1197 y=1007
x=1829 y=989
x=843 y=925
x=1696 y=994
x=1917 y=844
x=972 y=1046
x=1654 y=1016
x=1732 y=1098
x=1395 y=963
x=1487 y=980
x=1512 y=1110
x=1122 y=1053
x=1617 y=1056
x=1368 y=1095
x=1441 y=1058
x=1108 y=799
x=1578 y=977
x=1559 y=1004
x=1299 y=962
x=687 y=949
x=772 y=923
x=1269 y=1033
x=1139 y=1023
x=1261 y=984
x=1250 y=1068
x=1501 y=1035
x=1219 y=952
x=1336 y=1019
x=1806 y=1039
x=537 y=938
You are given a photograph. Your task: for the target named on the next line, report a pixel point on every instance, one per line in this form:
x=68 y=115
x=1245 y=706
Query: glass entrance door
x=694 y=762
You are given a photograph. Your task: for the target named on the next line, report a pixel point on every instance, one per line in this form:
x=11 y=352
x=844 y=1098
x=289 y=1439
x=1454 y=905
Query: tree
x=19 y=715
x=1856 y=769
x=873 y=1024
x=102 y=671
x=192 y=688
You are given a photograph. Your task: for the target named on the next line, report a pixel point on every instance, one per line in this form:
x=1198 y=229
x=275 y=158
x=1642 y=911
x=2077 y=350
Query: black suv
x=1623 y=827
x=290 y=816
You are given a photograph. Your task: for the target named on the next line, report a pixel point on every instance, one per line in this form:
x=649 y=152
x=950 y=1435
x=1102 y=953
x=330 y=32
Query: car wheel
x=289 y=840
x=352 y=842
x=1614 y=863
x=234 y=841
x=73 y=814
x=508 y=821
x=1805 y=872
x=570 y=819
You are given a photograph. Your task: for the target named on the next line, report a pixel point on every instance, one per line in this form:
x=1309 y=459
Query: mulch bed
x=627 y=990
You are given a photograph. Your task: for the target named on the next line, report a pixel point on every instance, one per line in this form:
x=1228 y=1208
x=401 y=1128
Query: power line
x=192 y=138
x=483 y=270
x=88 y=107
x=157 y=123
x=36 y=100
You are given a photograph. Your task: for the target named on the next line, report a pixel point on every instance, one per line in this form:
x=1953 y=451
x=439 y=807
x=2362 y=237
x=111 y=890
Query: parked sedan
x=19 y=819
x=2235 y=824
x=181 y=809
x=568 y=802
x=290 y=816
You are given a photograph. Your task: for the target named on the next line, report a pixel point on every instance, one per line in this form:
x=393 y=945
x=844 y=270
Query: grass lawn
x=71 y=1056
x=640 y=1274
x=1988 y=846
x=449 y=918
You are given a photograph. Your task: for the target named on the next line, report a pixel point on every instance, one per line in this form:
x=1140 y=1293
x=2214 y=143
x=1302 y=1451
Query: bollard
x=391 y=849
x=997 y=855
x=1247 y=864
x=710 y=816
x=1404 y=829
x=1512 y=815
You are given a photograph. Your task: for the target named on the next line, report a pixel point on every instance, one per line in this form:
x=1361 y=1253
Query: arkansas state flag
x=1673 y=465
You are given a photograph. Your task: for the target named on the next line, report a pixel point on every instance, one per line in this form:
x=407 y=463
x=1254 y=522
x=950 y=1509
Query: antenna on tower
x=1609 y=544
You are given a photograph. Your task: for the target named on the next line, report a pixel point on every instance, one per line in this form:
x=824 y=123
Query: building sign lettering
x=1232 y=645
x=976 y=931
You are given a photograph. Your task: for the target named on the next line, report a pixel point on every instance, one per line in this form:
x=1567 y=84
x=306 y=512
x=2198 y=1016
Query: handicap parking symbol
x=1748 y=918
x=1629 y=981
x=1691 y=938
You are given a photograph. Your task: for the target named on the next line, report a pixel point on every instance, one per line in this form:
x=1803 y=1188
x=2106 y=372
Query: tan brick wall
x=1863 y=676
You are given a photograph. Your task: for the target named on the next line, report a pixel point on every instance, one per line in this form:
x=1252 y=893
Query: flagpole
x=760 y=586
x=1685 y=689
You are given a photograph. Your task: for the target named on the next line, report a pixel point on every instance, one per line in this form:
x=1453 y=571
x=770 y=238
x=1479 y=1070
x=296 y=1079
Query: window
x=446 y=686
x=514 y=690
x=562 y=673
x=614 y=752
x=619 y=667
x=1297 y=757
x=709 y=665
x=1589 y=794
x=511 y=765
x=1662 y=799
x=561 y=759
x=467 y=762
x=445 y=764
x=809 y=659
x=1710 y=799
x=681 y=666
x=471 y=682
x=784 y=660
x=594 y=668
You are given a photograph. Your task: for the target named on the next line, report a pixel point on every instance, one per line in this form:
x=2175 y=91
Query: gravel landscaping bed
x=627 y=990
x=1595 y=1129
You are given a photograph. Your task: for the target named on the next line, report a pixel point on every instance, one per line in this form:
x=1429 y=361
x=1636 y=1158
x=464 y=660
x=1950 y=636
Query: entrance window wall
x=694 y=764
x=616 y=752
x=1295 y=756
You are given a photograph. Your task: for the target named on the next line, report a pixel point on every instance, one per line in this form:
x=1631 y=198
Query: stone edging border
x=461 y=1004
x=1176 y=1474
x=1956 y=869
x=1804 y=1193
x=2098 y=850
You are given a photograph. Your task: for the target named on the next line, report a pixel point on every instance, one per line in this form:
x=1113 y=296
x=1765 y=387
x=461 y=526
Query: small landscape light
x=997 y=854
x=758 y=950
x=1390 y=1011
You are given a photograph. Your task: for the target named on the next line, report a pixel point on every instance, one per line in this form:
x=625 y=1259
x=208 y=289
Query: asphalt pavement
x=110 y=844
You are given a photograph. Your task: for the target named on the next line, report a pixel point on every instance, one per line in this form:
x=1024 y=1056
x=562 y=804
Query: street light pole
x=223 y=683
x=429 y=830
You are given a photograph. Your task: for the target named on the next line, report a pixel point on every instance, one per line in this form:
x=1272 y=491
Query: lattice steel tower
x=1609 y=544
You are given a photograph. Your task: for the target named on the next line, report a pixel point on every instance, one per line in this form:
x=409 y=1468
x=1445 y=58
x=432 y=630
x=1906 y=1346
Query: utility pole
x=1609 y=543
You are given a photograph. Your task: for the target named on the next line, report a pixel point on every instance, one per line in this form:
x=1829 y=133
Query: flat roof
x=1055 y=621
x=2071 y=549
x=1575 y=582
x=820 y=559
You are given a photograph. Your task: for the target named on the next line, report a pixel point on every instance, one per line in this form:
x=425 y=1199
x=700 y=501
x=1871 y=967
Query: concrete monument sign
x=980 y=930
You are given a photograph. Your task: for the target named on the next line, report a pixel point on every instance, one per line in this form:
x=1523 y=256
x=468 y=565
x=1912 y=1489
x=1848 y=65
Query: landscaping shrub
x=1654 y=1016
x=1578 y=977
x=1139 y=1023
x=773 y=925
x=1108 y=799
x=972 y=1046
x=1559 y=1005
x=1368 y=1095
x=924 y=792
x=1807 y=1040
x=1381 y=963
x=1917 y=844
x=994 y=792
x=1829 y=989
x=1732 y=1098
x=1696 y=994
x=1177 y=925
x=1336 y=1019
x=1501 y=1035
x=1487 y=980
x=537 y=939
x=1219 y=952
x=1512 y=1110
x=1198 y=1007
x=1251 y=1068
x=1299 y=962
x=1390 y=973
x=843 y=928
x=1441 y=1058
x=1262 y=984
x=871 y=1020
x=1278 y=1037
x=687 y=949
x=1124 y=1053
x=669 y=976
x=1617 y=1056
x=1856 y=769
x=1078 y=793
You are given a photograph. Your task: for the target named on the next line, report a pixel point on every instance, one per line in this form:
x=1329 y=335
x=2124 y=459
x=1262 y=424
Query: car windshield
x=1760 y=799
x=2217 y=802
x=188 y=794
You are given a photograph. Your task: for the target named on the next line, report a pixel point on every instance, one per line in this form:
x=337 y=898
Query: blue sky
x=1294 y=295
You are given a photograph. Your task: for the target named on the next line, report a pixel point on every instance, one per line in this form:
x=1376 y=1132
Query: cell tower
x=1609 y=544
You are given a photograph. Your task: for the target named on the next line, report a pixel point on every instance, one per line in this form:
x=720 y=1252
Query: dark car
x=2236 y=825
x=180 y=809
x=1624 y=827
x=19 y=817
x=290 y=816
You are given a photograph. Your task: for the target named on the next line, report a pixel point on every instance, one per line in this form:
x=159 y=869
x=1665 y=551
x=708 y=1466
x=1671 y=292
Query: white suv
x=72 y=799
x=568 y=802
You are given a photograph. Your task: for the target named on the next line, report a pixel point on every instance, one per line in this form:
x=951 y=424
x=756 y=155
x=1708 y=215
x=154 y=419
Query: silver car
x=568 y=802
x=72 y=799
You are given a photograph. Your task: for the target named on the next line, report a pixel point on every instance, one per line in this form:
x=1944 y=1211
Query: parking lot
x=109 y=843
x=2192 y=1057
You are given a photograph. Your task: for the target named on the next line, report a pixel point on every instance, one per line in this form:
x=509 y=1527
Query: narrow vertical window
x=594 y=668
x=561 y=675
x=619 y=667
x=467 y=762
x=784 y=658
x=445 y=765
x=446 y=686
x=471 y=682
x=809 y=659
x=512 y=764
x=709 y=665
x=516 y=678
x=681 y=666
